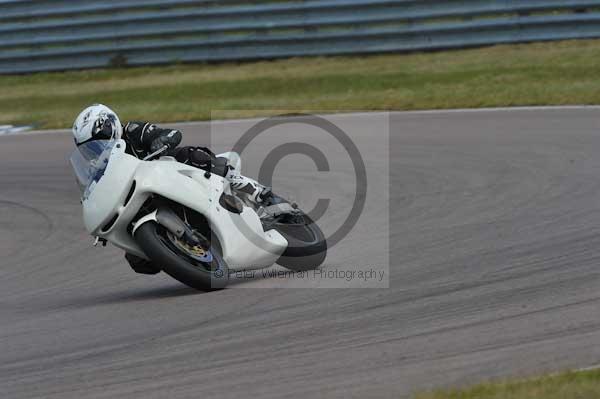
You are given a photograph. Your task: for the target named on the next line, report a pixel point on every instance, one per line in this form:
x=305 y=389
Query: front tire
x=211 y=276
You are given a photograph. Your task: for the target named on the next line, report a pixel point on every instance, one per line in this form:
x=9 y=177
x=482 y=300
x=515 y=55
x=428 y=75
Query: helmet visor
x=105 y=128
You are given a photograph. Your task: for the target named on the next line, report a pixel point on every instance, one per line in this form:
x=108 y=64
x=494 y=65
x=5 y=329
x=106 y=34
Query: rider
x=98 y=122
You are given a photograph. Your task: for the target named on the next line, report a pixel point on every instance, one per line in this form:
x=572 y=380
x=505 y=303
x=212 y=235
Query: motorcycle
x=185 y=221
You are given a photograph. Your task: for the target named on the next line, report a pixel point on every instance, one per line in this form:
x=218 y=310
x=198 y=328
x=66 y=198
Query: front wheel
x=200 y=268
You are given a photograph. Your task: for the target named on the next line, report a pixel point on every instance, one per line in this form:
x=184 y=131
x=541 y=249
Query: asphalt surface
x=494 y=245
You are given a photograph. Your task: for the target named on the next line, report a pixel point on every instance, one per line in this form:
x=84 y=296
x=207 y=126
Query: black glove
x=170 y=139
x=200 y=157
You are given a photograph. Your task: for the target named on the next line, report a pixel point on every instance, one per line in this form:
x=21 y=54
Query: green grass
x=530 y=74
x=568 y=385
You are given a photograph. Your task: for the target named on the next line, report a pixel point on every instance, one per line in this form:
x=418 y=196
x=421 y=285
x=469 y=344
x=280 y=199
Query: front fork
x=164 y=216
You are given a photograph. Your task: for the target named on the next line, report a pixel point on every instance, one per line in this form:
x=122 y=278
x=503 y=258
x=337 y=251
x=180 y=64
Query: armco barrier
x=49 y=35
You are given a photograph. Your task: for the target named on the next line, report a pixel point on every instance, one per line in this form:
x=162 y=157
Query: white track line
x=590 y=368
x=6 y=130
x=353 y=114
x=425 y=112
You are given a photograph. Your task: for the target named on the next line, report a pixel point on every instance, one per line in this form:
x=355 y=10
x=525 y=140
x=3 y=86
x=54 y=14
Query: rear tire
x=177 y=265
x=307 y=247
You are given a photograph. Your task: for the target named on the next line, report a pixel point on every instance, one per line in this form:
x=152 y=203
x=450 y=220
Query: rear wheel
x=195 y=266
x=307 y=247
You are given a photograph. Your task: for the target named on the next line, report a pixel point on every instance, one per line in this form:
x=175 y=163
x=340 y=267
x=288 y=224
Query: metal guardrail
x=48 y=35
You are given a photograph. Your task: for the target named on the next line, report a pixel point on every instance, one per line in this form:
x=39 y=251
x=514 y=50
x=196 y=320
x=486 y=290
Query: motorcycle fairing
x=109 y=205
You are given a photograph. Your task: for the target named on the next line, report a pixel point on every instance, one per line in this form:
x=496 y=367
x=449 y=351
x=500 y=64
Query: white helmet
x=97 y=122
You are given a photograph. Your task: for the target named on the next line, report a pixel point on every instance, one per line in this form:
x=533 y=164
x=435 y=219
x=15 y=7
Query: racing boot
x=255 y=191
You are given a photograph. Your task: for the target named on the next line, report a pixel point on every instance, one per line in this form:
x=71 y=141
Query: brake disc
x=196 y=252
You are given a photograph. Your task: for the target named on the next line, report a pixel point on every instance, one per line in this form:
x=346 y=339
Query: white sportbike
x=186 y=221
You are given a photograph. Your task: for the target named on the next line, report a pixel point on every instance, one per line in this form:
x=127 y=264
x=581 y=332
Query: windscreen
x=89 y=161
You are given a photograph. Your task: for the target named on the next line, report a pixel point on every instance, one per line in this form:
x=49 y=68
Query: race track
x=494 y=251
